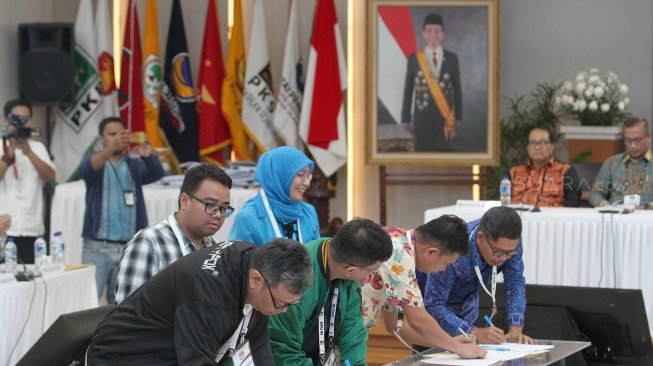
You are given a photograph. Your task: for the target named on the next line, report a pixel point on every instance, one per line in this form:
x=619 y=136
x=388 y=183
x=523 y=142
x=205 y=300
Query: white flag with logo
x=103 y=29
x=258 y=100
x=289 y=98
x=76 y=127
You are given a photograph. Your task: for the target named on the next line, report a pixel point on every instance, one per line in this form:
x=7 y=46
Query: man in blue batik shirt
x=452 y=296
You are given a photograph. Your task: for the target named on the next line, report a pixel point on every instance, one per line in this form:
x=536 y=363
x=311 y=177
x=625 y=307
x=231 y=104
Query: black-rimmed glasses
x=274 y=301
x=500 y=253
x=212 y=208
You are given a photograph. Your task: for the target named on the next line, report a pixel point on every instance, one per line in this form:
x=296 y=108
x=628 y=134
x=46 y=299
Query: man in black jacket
x=206 y=308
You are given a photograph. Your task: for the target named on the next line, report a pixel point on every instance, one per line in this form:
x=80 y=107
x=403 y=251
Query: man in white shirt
x=25 y=167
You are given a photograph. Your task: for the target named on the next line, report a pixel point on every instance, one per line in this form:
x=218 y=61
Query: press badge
x=130 y=199
x=329 y=358
x=243 y=356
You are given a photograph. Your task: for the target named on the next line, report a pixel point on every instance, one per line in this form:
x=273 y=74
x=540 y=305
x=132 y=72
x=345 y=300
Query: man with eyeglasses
x=115 y=207
x=203 y=202
x=209 y=307
x=544 y=181
x=452 y=296
x=628 y=176
x=328 y=315
x=393 y=289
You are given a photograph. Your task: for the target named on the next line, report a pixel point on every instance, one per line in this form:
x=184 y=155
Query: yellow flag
x=152 y=74
x=232 y=87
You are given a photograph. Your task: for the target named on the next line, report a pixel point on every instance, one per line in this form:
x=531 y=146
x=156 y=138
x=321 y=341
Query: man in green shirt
x=328 y=315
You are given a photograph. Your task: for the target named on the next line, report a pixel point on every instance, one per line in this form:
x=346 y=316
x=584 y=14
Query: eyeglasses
x=536 y=143
x=274 y=302
x=501 y=253
x=364 y=268
x=212 y=208
x=305 y=175
x=636 y=140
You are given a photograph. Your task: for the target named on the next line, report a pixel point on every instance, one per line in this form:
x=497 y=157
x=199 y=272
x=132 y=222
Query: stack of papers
x=242 y=174
x=495 y=353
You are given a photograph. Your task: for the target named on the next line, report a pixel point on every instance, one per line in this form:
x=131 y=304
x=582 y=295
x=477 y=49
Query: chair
x=65 y=342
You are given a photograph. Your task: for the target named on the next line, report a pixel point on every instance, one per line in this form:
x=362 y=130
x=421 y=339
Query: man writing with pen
x=452 y=296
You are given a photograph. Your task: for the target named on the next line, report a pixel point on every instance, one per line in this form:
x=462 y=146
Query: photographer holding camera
x=25 y=167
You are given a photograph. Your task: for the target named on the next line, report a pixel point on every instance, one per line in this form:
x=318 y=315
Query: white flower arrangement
x=592 y=100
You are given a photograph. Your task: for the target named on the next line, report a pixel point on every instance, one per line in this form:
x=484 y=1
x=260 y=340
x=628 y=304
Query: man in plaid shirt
x=203 y=206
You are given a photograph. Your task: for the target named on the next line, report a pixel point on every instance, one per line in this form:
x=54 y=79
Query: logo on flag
x=181 y=79
x=152 y=81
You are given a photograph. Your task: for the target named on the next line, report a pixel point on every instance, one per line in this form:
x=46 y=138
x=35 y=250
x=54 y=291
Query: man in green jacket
x=309 y=332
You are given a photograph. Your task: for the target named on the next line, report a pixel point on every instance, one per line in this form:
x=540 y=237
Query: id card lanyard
x=493 y=282
x=128 y=195
x=239 y=337
x=273 y=221
x=180 y=238
x=332 y=324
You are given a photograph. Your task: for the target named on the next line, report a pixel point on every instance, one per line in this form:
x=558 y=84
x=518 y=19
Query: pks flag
x=130 y=98
x=232 y=87
x=396 y=43
x=322 y=121
x=76 y=128
x=289 y=97
x=258 y=100
x=152 y=75
x=213 y=129
x=179 y=122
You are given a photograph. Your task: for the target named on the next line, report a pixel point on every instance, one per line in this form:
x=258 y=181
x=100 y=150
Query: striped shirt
x=151 y=250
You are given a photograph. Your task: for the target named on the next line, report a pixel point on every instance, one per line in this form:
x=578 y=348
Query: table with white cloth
x=68 y=204
x=31 y=307
x=582 y=247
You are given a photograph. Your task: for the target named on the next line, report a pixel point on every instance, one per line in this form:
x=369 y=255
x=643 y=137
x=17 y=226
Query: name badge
x=130 y=199
x=243 y=356
x=631 y=201
x=329 y=358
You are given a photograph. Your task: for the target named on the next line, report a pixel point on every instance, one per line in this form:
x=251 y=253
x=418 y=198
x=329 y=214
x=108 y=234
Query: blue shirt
x=452 y=296
x=115 y=212
x=252 y=223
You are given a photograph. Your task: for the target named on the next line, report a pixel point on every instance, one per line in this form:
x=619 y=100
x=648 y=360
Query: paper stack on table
x=495 y=353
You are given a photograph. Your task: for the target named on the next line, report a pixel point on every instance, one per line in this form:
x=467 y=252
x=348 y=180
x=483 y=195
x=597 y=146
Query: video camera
x=20 y=132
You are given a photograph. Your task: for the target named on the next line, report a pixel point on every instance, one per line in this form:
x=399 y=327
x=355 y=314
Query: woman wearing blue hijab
x=278 y=211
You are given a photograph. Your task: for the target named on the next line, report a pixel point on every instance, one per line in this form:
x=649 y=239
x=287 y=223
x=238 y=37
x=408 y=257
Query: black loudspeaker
x=46 y=63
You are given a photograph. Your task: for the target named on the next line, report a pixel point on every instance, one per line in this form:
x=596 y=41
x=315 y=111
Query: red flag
x=130 y=97
x=326 y=91
x=322 y=119
x=213 y=129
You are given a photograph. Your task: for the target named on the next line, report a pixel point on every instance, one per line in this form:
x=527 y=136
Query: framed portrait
x=433 y=82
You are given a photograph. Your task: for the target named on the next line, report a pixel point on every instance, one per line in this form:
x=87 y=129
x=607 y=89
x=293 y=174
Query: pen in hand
x=488 y=320
x=463 y=332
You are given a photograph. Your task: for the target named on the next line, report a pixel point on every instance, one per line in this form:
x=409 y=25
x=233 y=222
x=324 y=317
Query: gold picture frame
x=421 y=110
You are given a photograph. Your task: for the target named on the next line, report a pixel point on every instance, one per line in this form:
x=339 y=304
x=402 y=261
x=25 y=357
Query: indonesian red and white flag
x=396 y=43
x=322 y=121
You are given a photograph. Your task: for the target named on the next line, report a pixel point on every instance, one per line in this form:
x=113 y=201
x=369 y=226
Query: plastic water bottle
x=3 y=239
x=505 y=191
x=57 y=248
x=11 y=256
x=40 y=252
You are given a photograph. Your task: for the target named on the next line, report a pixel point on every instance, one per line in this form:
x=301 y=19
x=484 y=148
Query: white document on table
x=508 y=351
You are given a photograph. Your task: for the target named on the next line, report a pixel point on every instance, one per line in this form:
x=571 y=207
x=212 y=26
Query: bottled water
x=505 y=191
x=11 y=256
x=57 y=248
x=3 y=239
x=40 y=252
